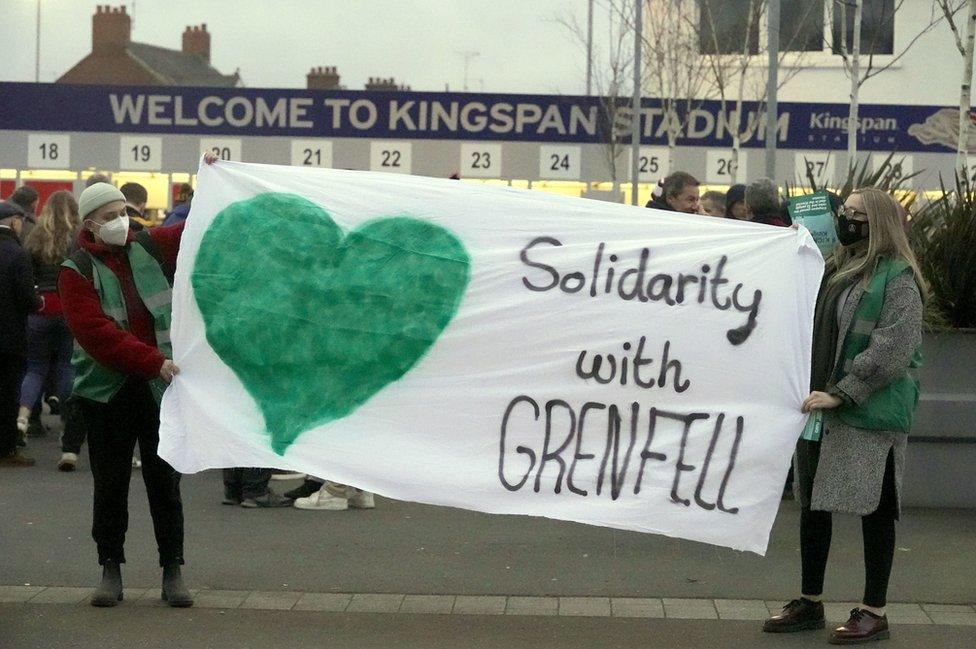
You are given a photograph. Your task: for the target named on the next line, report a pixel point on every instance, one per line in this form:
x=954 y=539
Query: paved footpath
x=150 y=627
x=407 y=574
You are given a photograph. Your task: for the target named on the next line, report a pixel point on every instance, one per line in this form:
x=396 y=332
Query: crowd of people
x=85 y=311
x=759 y=202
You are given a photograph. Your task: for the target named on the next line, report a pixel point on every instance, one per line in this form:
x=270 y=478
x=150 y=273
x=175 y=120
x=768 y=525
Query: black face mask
x=850 y=231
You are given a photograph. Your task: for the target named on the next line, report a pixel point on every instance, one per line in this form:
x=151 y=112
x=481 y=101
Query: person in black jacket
x=17 y=300
x=26 y=197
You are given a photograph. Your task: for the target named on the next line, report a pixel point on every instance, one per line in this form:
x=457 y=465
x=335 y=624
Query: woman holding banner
x=851 y=456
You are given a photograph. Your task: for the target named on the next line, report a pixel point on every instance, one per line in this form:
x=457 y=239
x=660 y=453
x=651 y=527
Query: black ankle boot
x=109 y=592
x=174 y=590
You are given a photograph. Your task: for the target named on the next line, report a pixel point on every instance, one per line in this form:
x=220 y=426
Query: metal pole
x=772 y=83
x=37 y=46
x=636 y=104
x=589 y=49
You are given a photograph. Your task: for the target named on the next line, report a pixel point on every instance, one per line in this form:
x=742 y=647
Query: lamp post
x=772 y=84
x=636 y=104
x=589 y=48
x=37 y=46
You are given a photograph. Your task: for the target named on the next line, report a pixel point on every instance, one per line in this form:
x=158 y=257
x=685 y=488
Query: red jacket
x=130 y=352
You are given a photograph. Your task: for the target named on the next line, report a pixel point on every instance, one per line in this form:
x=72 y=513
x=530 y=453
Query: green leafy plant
x=943 y=236
x=887 y=176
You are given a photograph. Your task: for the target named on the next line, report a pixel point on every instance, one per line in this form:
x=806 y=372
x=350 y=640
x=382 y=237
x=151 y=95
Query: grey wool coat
x=852 y=463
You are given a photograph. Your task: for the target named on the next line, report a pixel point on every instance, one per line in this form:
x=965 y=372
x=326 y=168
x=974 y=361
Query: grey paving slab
x=333 y=602
x=532 y=606
x=637 y=607
x=18 y=593
x=741 y=609
x=479 y=605
x=838 y=612
x=690 y=609
x=775 y=606
x=904 y=613
x=220 y=598
x=954 y=619
x=948 y=608
x=433 y=604
x=369 y=603
x=271 y=600
x=61 y=595
x=150 y=599
x=584 y=606
x=133 y=595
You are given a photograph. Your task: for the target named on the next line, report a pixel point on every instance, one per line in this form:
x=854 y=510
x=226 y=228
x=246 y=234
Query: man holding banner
x=116 y=296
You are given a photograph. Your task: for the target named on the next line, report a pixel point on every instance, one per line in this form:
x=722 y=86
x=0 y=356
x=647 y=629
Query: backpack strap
x=82 y=260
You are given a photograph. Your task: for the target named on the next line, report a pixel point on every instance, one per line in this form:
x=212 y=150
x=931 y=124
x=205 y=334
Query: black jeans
x=113 y=429
x=11 y=375
x=878 y=532
x=246 y=483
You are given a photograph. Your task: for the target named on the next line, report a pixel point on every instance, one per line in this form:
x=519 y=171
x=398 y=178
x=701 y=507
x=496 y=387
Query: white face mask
x=115 y=232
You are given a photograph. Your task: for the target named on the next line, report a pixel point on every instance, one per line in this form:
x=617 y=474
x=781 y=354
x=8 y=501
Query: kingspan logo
x=827 y=120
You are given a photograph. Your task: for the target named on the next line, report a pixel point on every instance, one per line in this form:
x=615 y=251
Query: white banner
x=495 y=349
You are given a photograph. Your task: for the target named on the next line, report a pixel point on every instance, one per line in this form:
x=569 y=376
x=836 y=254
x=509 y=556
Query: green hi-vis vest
x=93 y=380
x=893 y=406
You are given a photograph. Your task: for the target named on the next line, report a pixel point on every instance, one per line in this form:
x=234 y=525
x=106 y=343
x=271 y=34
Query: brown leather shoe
x=16 y=459
x=799 y=615
x=863 y=626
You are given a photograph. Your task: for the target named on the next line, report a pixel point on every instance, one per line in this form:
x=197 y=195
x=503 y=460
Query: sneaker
x=16 y=459
x=23 y=423
x=54 y=405
x=68 y=462
x=270 y=499
x=799 y=615
x=231 y=498
x=136 y=462
x=322 y=500
x=306 y=489
x=362 y=500
x=288 y=475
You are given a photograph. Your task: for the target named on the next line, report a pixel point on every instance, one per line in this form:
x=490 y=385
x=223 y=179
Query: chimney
x=378 y=83
x=111 y=29
x=196 y=41
x=322 y=78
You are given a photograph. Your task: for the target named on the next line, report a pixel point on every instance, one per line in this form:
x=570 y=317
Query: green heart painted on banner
x=315 y=323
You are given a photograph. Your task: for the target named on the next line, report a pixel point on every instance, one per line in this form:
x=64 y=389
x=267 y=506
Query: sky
x=521 y=45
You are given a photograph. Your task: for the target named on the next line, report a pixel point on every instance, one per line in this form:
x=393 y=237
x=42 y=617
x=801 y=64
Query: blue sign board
x=450 y=116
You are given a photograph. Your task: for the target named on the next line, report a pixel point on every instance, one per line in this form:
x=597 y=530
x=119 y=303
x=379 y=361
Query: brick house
x=116 y=59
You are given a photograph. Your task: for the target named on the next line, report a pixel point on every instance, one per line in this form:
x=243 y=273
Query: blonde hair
x=56 y=227
x=886 y=237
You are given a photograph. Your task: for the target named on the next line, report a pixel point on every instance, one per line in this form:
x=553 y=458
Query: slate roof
x=173 y=67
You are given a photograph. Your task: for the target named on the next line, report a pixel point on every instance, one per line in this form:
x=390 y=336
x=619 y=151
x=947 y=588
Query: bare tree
x=611 y=70
x=852 y=56
x=739 y=75
x=949 y=9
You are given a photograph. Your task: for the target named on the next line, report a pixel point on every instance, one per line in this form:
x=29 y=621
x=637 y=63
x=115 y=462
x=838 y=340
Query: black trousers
x=75 y=432
x=878 y=532
x=11 y=374
x=113 y=429
x=246 y=483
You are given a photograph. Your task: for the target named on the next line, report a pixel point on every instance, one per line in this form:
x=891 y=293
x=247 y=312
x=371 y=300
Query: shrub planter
x=941 y=468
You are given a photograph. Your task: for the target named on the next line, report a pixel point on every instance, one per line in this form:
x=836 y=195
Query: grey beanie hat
x=96 y=196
